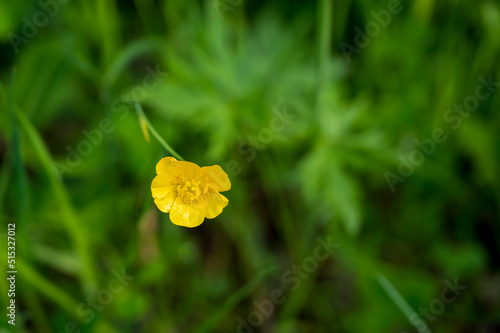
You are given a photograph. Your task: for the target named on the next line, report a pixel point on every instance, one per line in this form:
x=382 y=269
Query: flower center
x=189 y=190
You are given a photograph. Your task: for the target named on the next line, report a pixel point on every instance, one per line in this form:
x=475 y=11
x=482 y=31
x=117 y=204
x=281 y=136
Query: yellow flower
x=189 y=193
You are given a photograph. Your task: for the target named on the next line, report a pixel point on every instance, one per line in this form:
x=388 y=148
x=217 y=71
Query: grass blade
x=69 y=217
x=401 y=303
x=231 y=302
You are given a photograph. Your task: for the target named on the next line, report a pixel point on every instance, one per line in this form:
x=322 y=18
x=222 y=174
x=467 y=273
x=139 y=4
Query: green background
x=76 y=168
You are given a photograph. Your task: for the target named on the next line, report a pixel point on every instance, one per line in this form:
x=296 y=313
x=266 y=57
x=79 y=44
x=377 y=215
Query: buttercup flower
x=189 y=193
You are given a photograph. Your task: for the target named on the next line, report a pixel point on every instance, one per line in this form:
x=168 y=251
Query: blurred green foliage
x=224 y=72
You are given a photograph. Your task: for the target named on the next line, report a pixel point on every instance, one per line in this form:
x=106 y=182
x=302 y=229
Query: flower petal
x=218 y=177
x=187 y=215
x=164 y=163
x=170 y=167
x=164 y=193
x=214 y=204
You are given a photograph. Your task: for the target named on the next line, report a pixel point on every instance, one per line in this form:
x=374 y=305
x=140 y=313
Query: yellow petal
x=187 y=215
x=170 y=166
x=164 y=193
x=163 y=164
x=214 y=204
x=218 y=177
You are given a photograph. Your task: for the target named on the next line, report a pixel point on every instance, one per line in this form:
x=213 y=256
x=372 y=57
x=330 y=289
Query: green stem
x=140 y=114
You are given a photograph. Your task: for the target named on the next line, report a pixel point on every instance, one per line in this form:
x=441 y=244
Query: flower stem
x=141 y=115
